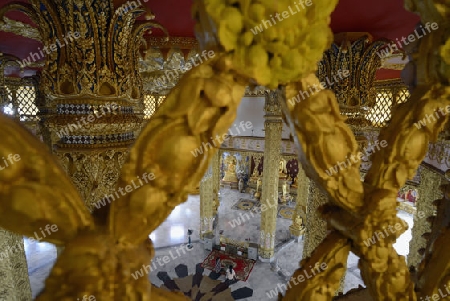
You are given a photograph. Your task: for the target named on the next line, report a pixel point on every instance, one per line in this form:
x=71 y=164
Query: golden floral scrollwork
x=92 y=258
x=94 y=173
x=323 y=128
x=164 y=148
x=383 y=270
x=391 y=167
x=81 y=66
x=325 y=265
x=29 y=195
x=144 y=208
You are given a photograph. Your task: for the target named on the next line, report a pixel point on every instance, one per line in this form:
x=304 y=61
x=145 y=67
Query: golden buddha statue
x=255 y=175
x=294 y=182
x=297 y=228
x=298 y=222
x=257 y=194
x=230 y=173
x=282 y=171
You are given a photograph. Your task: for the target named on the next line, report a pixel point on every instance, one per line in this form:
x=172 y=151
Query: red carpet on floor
x=242 y=266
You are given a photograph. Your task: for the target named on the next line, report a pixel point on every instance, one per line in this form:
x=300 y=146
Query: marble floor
x=249 y=229
x=171 y=238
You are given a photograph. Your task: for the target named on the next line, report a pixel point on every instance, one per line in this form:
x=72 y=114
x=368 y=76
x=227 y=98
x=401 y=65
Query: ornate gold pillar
x=269 y=197
x=206 y=204
x=298 y=219
x=429 y=191
x=215 y=164
x=316 y=226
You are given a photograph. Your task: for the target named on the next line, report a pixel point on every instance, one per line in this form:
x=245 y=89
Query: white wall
x=252 y=109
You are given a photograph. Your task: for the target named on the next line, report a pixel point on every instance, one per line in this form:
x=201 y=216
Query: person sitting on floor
x=230 y=276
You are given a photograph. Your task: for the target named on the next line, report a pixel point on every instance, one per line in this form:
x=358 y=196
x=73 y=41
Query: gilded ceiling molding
x=21 y=29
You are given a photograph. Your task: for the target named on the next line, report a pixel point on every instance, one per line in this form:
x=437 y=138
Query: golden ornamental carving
x=369 y=209
x=440 y=153
x=272 y=105
x=100 y=254
x=112 y=242
x=82 y=65
x=299 y=218
x=253 y=52
x=20 y=28
x=348 y=69
x=94 y=173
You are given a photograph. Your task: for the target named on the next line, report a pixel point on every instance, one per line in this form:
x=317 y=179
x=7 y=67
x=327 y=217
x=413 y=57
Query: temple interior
x=224 y=150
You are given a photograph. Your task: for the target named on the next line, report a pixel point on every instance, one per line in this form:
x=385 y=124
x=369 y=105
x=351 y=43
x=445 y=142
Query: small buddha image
x=258 y=184
x=257 y=194
x=294 y=182
x=282 y=171
x=298 y=222
x=230 y=172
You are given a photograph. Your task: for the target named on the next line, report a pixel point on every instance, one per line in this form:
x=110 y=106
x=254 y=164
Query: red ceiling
x=382 y=18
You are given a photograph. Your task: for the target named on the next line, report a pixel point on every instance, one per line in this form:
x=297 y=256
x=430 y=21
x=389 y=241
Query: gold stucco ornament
x=272 y=42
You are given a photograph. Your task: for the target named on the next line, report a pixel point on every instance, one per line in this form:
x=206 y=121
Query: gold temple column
x=316 y=226
x=269 y=198
x=428 y=192
x=206 y=205
x=298 y=228
x=215 y=164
